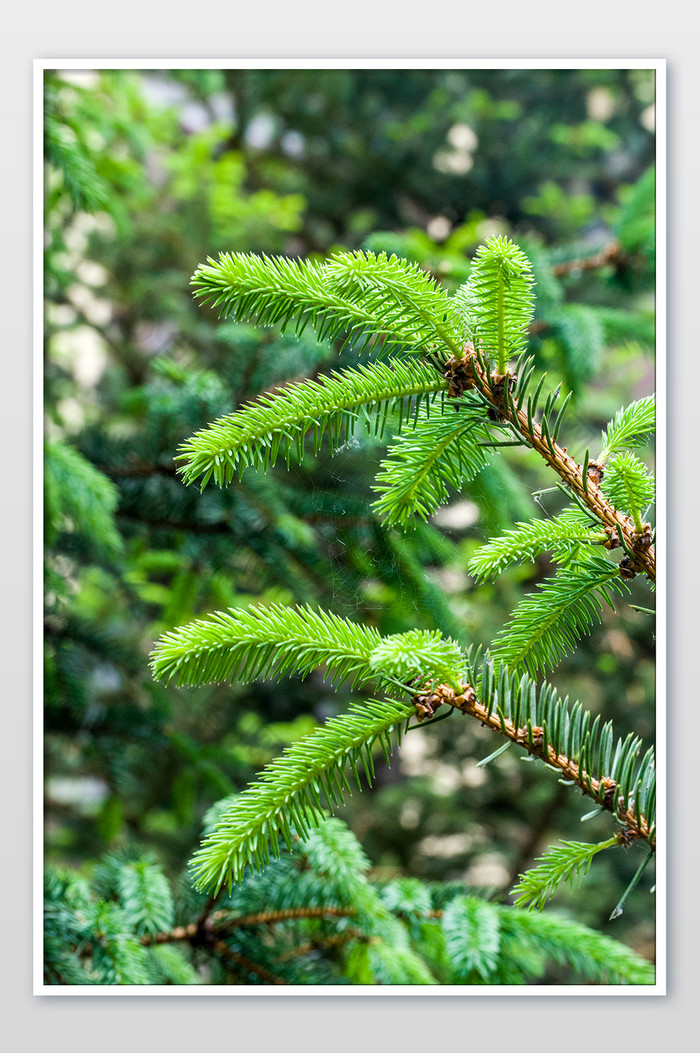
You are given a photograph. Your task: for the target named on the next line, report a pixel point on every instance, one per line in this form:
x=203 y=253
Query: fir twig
x=569 y=861
x=564 y=737
x=590 y=494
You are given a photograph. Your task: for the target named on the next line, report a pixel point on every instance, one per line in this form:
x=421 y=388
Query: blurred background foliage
x=149 y=173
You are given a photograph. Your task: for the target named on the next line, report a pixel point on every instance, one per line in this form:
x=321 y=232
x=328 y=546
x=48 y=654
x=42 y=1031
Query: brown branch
x=241 y=962
x=324 y=944
x=532 y=738
x=270 y=917
x=180 y=932
x=211 y=925
x=470 y=372
x=611 y=253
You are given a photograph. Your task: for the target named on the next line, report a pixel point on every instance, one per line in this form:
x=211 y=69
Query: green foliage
x=145 y=896
x=581 y=331
x=278 y=423
x=68 y=155
x=317 y=918
x=134 y=367
x=79 y=499
x=275 y=641
x=629 y=485
x=497 y=306
x=631 y=427
x=568 y=861
x=428 y=463
x=562 y=534
x=292 y=789
x=636 y=224
x=471 y=937
x=398 y=306
x=492 y=944
x=265 y=641
x=418 y=657
x=289 y=793
x=498 y=300
x=92 y=936
x=591 y=954
x=550 y=622
x=570 y=732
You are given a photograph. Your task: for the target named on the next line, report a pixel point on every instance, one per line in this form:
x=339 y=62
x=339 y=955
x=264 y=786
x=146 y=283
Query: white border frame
x=39 y=67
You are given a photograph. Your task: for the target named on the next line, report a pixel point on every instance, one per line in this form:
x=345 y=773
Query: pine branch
x=499 y=300
x=564 y=533
x=549 y=623
x=418 y=655
x=630 y=486
x=277 y=424
x=630 y=428
x=145 y=895
x=405 y=932
x=257 y=642
x=507 y=396
x=589 y=953
x=568 y=861
x=360 y=295
x=405 y=311
x=274 y=641
x=610 y=253
x=79 y=498
x=472 y=938
x=439 y=454
x=168 y=965
x=565 y=737
x=401 y=290
x=290 y=791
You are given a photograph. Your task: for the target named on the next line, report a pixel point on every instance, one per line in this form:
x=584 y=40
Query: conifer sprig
x=568 y=861
x=472 y=937
x=275 y=641
x=563 y=533
x=500 y=300
x=631 y=427
x=422 y=467
x=258 y=642
x=380 y=300
x=549 y=623
x=629 y=484
x=405 y=310
x=277 y=424
x=295 y=790
x=518 y=409
x=289 y=790
x=564 y=736
x=403 y=292
x=589 y=953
